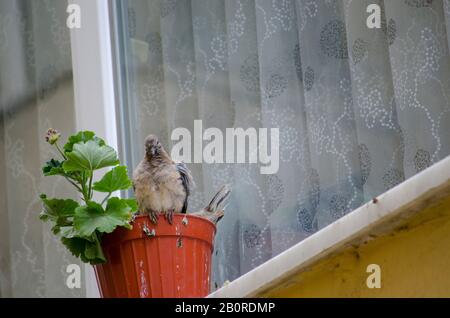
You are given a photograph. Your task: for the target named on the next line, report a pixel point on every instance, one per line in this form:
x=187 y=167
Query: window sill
x=372 y=219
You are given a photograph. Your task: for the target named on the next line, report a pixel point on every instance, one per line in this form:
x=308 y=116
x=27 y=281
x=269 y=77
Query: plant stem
x=83 y=186
x=90 y=184
x=106 y=198
x=60 y=151
x=74 y=184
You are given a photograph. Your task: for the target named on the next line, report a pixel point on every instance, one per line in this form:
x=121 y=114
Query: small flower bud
x=52 y=136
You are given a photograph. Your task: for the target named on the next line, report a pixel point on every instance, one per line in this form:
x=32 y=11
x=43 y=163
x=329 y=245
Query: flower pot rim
x=195 y=228
x=179 y=214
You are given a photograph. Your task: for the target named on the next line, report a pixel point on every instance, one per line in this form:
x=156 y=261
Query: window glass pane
x=358 y=110
x=36 y=92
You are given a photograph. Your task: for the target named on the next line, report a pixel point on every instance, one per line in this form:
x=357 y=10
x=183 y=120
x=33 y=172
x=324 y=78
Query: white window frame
x=96 y=101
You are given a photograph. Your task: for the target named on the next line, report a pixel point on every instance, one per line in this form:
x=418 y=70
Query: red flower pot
x=163 y=260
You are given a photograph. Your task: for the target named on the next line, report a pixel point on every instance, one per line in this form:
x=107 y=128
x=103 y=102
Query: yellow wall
x=414 y=261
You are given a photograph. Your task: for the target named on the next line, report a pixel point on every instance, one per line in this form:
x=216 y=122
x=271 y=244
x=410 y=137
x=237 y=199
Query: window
x=358 y=110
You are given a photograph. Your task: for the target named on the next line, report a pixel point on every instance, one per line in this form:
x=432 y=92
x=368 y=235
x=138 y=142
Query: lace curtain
x=359 y=110
x=36 y=92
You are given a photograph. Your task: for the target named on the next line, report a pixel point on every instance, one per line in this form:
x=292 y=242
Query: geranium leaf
x=67 y=232
x=88 y=218
x=89 y=251
x=94 y=253
x=75 y=245
x=60 y=212
x=53 y=168
x=114 y=180
x=82 y=137
x=132 y=203
x=90 y=156
x=93 y=217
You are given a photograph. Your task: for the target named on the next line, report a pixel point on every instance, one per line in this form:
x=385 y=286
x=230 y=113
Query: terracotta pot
x=163 y=260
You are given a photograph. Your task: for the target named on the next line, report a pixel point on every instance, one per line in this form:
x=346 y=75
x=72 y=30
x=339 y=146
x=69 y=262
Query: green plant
x=81 y=226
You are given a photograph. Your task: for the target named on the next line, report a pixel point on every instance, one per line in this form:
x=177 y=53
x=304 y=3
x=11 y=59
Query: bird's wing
x=186 y=180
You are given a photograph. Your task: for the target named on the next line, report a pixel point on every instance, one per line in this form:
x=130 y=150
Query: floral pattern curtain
x=36 y=92
x=359 y=110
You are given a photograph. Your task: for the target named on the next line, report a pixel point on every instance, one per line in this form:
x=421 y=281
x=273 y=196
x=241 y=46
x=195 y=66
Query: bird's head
x=152 y=146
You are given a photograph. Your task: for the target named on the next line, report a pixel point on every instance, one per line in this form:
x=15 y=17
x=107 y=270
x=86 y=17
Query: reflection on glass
x=35 y=93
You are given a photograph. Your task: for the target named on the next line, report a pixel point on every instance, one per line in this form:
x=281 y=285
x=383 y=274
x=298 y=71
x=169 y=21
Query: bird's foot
x=169 y=216
x=153 y=217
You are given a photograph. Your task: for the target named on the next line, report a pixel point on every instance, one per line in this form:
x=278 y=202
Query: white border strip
x=354 y=225
x=93 y=84
x=93 y=71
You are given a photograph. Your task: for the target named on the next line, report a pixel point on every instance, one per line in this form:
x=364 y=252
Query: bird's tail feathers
x=220 y=200
x=217 y=216
x=215 y=210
